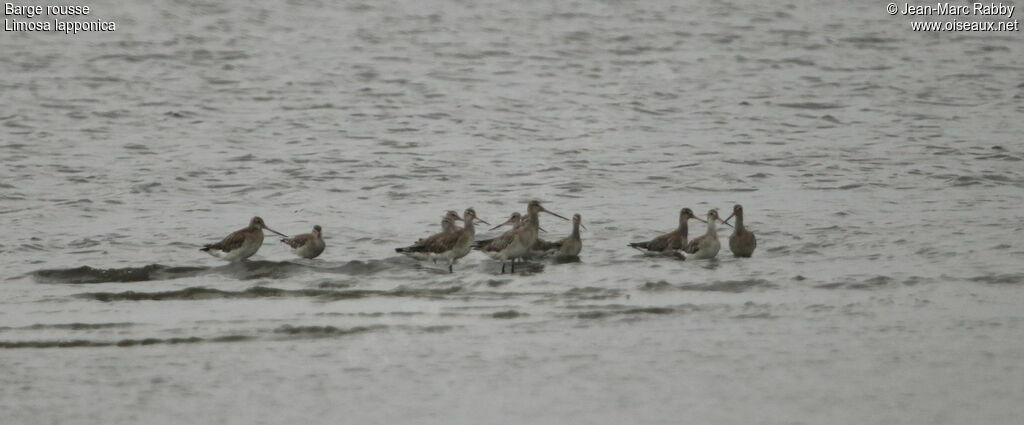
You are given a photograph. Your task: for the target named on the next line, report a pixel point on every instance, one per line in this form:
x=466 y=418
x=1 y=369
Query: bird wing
x=444 y=242
x=230 y=242
x=497 y=244
x=298 y=241
x=543 y=245
x=745 y=237
x=664 y=242
x=435 y=243
x=694 y=245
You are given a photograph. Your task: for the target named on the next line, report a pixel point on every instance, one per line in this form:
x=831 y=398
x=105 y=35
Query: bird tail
x=639 y=245
x=542 y=245
x=206 y=248
x=480 y=244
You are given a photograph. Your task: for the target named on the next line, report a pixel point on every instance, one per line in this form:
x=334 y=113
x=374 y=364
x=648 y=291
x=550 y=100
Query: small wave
x=728 y=285
x=72 y=326
x=870 y=283
x=249 y=270
x=592 y=293
x=810 y=105
x=287 y=332
x=755 y=316
x=245 y=270
x=869 y=39
x=86 y=274
x=660 y=285
x=121 y=343
x=201 y=293
x=1000 y=279
x=718 y=286
x=843 y=187
x=356 y=267
x=132 y=58
x=620 y=310
x=508 y=314
x=1003 y=157
x=324 y=331
x=735 y=189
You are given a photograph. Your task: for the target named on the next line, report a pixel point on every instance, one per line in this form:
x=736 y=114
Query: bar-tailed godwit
x=670 y=241
x=307 y=245
x=516 y=243
x=742 y=242
x=486 y=245
x=707 y=245
x=447 y=228
x=455 y=217
x=446 y=246
x=567 y=247
x=240 y=244
x=514 y=220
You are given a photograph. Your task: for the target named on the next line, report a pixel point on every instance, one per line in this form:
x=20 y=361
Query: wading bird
x=307 y=245
x=516 y=243
x=742 y=242
x=446 y=246
x=567 y=247
x=455 y=217
x=670 y=241
x=707 y=245
x=241 y=244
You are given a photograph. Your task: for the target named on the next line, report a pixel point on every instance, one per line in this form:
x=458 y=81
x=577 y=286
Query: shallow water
x=880 y=169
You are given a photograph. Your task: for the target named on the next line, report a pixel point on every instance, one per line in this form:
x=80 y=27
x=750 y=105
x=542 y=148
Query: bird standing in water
x=707 y=245
x=742 y=242
x=567 y=247
x=670 y=241
x=446 y=246
x=307 y=245
x=240 y=244
x=516 y=243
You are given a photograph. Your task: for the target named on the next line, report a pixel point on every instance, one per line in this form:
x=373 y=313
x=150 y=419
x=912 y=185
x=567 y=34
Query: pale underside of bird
x=707 y=245
x=516 y=243
x=567 y=247
x=493 y=247
x=307 y=245
x=742 y=243
x=669 y=243
x=242 y=243
x=447 y=245
x=448 y=227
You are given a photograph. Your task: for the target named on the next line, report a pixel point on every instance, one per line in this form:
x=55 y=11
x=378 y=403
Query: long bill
x=483 y=221
x=275 y=231
x=509 y=221
x=724 y=222
x=729 y=218
x=556 y=215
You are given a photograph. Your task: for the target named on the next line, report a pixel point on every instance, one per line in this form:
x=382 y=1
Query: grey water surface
x=880 y=168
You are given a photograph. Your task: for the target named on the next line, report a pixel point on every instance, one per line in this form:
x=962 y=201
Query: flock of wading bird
x=520 y=243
